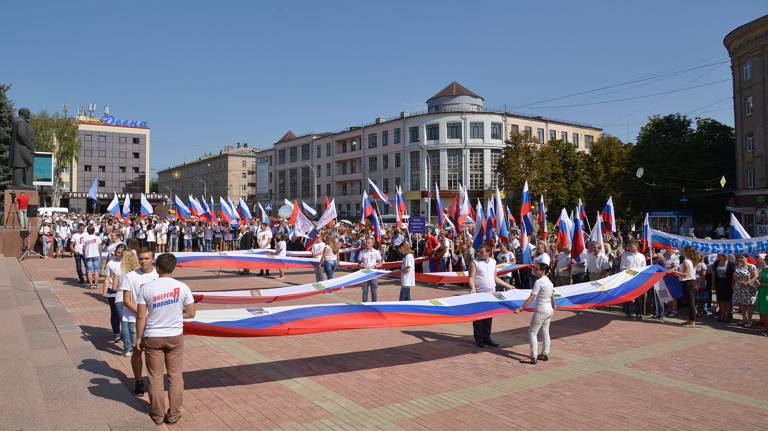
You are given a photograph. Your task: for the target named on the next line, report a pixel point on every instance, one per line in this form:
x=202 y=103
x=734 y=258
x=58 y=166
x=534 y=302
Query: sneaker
x=128 y=353
x=117 y=338
x=138 y=390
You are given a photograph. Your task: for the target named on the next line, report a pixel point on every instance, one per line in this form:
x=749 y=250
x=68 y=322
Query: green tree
x=59 y=136
x=6 y=126
x=608 y=173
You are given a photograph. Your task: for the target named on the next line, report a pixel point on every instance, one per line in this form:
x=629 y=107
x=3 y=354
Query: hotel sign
x=109 y=120
x=84 y=195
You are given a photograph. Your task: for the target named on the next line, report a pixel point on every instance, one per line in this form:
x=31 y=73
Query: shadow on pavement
x=433 y=346
x=102 y=386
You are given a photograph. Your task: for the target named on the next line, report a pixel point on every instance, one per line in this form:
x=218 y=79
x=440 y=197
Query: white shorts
x=162 y=239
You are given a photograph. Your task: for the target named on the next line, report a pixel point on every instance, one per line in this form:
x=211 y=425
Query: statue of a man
x=22 y=150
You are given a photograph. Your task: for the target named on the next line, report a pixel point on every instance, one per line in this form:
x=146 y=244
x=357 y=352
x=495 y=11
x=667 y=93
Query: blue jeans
x=46 y=246
x=79 y=264
x=187 y=244
x=128 y=331
x=405 y=293
x=173 y=244
x=659 y=305
x=329 y=266
x=92 y=264
x=208 y=244
x=444 y=264
x=374 y=286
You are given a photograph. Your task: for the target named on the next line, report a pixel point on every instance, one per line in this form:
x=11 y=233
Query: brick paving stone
x=605 y=372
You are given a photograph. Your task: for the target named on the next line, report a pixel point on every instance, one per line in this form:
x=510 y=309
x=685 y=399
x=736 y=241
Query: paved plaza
x=604 y=373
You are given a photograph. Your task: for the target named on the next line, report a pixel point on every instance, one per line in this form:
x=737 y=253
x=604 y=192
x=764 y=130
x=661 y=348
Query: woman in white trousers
x=544 y=293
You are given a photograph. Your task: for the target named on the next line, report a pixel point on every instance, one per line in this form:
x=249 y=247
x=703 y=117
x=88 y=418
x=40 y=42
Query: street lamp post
x=429 y=165
x=205 y=187
x=314 y=182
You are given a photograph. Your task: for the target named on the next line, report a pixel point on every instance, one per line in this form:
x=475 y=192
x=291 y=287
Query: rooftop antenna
x=106 y=109
x=91 y=109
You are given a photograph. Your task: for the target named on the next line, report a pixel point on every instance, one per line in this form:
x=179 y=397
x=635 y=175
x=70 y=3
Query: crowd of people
x=118 y=256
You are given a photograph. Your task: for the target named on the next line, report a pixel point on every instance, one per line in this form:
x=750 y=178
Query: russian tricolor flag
x=226 y=213
x=577 y=247
x=378 y=194
x=126 y=207
x=736 y=230
x=609 y=216
x=205 y=212
x=439 y=207
x=245 y=213
x=542 y=218
x=581 y=211
x=233 y=207
x=263 y=214
x=114 y=207
x=146 y=207
x=480 y=226
x=564 y=229
x=193 y=206
x=501 y=220
x=212 y=211
x=182 y=212
x=308 y=210
x=399 y=207
x=646 y=237
x=526 y=222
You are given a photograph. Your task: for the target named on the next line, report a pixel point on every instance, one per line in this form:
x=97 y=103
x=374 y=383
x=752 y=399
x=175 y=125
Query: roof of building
x=288 y=136
x=744 y=29
x=455 y=89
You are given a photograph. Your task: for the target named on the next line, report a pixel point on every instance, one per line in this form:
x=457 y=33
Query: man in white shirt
x=162 y=305
x=370 y=258
x=483 y=279
x=263 y=239
x=92 y=255
x=131 y=288
x=632 y=259
x=317 y=252
x=597 y=262
x=76 y=246
x=62 y=236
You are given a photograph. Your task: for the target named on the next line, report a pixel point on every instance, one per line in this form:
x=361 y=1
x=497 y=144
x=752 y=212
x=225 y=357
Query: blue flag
x=92 y=193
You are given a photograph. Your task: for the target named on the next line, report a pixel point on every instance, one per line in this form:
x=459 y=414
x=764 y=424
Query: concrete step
x=65 y=383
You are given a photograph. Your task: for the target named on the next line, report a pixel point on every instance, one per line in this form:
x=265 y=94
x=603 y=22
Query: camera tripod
x=25 y=248
x=13 y=213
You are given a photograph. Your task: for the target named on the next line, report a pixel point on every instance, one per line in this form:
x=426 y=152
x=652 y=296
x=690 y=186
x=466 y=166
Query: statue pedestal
x=10 y=218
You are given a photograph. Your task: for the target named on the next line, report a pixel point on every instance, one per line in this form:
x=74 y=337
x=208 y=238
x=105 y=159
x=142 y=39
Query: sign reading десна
x=725 y=246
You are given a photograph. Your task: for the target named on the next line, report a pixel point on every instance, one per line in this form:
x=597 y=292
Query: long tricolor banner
x=756 y=245
x=289 y=292
x=305 y=319
x=462 y=277
x=241 y=260
x=395 y=264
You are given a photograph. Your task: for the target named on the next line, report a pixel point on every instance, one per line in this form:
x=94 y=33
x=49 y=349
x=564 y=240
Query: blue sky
x=215 y=73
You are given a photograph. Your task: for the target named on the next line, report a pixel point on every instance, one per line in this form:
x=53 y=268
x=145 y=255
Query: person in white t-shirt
x=263 y=239
x=484 y=279
x=633 y=259
x=131 y=288
x=76 y=246
x=110 y=290
x=317 y=252
x=162 y=305
x=407 y=271
x=92 y=255
x=370 y=258
x=281 y=249
x=544 y=293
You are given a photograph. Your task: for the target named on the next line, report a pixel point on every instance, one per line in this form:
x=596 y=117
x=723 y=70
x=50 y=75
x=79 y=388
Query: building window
x=514 y=129
x=385 y=138
x=540 y=135
x=372 y=164
x=748 y=105
x=281 y=183
x=454 y=130
x=397 y=160
x=552 y=135
x=343 y=147
x=102 y=168
x=136 y=140
x=328 y=169
x=476 y=130
x=318 y=171
x=328 y=190
x=476 y=169
x=343 y=188
x=415 y=171
x=242 y=187
x=495 y=157
x=496 y=131
x=122 y=169
x=749 y=142
x=319 y=151
x=414 y=134
x=397 y=182
x=293 y=155
x=386 y=185
x=385 y=161
x=305 y=152
x=434 y=167
x=122 y=154
x=750 y=178
x=372 y=140
x=528 y=132
x=102 y=183
x=576 y=140
x=102 y=139
x=135 y=155
x=88 y=138
x=87 y=153
x=433 y=132
x=564 y=136
x=243 y=176
x=293 y=182
x=453 y=168
x=588 y=141
x=328 y=149
x=305 y=182
x=87 y=168
x=123 y=140
x=101 y=153
x=396 y=138
x=281 y=157
x=353 y=166
x=747 y=70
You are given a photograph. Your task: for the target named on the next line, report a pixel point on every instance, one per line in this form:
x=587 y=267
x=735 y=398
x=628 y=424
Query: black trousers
x=689 y=286
x=114 y=316
x=482 y=330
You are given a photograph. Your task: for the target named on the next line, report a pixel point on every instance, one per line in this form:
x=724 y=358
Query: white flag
x=303 y=225
x=328 y=215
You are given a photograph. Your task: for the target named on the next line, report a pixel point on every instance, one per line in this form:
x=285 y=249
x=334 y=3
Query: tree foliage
x=59 y=136
x=6 y=126
x=674 y=151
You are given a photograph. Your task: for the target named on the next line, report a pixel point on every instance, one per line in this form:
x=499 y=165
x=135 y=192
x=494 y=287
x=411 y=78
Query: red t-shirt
x=22 y=201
